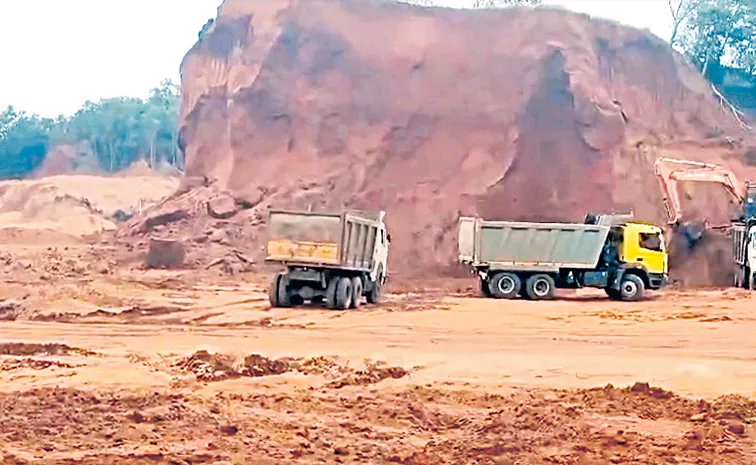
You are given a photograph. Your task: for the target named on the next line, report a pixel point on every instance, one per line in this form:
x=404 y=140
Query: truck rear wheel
x=331 y=292
x=277 y=293
x=631 y=288
x=343 y=297
x=505 y=285
x=540 y=287
x=356 y=292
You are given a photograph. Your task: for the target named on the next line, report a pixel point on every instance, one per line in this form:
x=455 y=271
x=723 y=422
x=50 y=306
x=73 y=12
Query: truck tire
x=540 y=287
x=277 y=293
x=485 y=290
x=505 y=285
x=374 y=296
x=740 y=277
x=343 y=298
x=747 y=278
x=273 y=291
x=331 y=292
x=631 y=288
x=356 y=292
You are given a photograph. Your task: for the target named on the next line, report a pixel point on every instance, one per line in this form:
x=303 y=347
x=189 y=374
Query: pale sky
x=56 y=54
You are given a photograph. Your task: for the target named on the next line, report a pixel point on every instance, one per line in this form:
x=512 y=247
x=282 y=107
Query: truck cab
x=642 y=247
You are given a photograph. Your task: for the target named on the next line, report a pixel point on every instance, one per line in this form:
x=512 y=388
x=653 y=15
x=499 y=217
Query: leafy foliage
x=118 y=131
x=24 y=141
x=719 y=33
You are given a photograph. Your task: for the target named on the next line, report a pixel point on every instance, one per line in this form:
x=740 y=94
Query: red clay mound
x=429 y=113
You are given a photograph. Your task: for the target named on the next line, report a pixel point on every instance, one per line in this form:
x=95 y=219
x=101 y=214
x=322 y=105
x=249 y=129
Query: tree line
x=115 y=131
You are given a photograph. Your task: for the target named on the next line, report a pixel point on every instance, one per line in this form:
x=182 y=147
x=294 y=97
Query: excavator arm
x=671 y=171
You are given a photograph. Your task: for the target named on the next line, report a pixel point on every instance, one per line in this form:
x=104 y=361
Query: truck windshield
x=651 y=241
x=304 y=228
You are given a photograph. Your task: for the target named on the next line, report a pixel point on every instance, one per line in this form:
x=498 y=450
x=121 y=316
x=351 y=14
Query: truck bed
x=338 y=240
x=530 y=246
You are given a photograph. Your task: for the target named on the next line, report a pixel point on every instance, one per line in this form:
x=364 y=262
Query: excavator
x=742 y=228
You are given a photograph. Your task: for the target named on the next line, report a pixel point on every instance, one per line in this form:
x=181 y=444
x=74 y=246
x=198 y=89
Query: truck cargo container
x=744 y=251
x=532 y=260
x=333 y=257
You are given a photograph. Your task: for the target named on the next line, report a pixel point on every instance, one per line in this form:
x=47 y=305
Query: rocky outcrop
x=430 y=113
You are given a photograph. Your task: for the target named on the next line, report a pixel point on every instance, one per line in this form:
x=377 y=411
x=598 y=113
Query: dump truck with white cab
x=338 y=258
x=532 y=260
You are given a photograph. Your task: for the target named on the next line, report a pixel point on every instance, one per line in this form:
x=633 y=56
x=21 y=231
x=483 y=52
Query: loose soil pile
x=432 y=113
x=21 y=348
x=415 y=425
x=77 y=205
x=216 y=367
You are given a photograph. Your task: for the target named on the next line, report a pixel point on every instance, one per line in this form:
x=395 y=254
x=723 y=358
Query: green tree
x=123 y=130
x=720 y=33
x=117 y=130
x=681 y=11
x=24 y=141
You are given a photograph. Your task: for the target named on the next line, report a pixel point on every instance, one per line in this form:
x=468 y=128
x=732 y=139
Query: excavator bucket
x=692 y=232
x=684 y=239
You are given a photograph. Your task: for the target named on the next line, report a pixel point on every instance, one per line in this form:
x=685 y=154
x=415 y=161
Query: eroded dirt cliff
x=429 y=113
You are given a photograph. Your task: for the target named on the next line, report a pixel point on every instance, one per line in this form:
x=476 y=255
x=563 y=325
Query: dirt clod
x=736 y=427
x=222 y=207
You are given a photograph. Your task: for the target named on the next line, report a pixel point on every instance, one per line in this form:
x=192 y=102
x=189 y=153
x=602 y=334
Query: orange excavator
x=742 y=229
x=671 y=171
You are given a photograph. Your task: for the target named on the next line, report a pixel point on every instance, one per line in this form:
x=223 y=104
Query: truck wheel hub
x=541 y=288
x=506 y=285
x=629 y=288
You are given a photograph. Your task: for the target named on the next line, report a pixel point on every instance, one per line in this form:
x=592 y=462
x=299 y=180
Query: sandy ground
x=109 y=368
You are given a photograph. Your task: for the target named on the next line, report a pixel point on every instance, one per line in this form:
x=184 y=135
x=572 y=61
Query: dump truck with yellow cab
x=338 y=258
x=532 y=260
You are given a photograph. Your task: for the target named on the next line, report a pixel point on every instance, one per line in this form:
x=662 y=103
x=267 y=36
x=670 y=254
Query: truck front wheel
x=505 y=285
x=374 y=295
x=631 y=287
x=540 y=287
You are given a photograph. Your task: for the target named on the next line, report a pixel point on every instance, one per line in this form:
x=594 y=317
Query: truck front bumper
x=657 y=280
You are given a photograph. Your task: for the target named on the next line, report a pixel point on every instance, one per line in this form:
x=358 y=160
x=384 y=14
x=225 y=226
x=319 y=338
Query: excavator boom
x=670 y=171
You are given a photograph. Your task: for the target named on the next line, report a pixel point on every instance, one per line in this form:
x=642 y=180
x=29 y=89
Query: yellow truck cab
x=641 y=246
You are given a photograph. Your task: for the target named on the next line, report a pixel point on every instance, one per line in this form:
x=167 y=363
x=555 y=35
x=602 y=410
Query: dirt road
x=437 y=376
x=694 y=343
